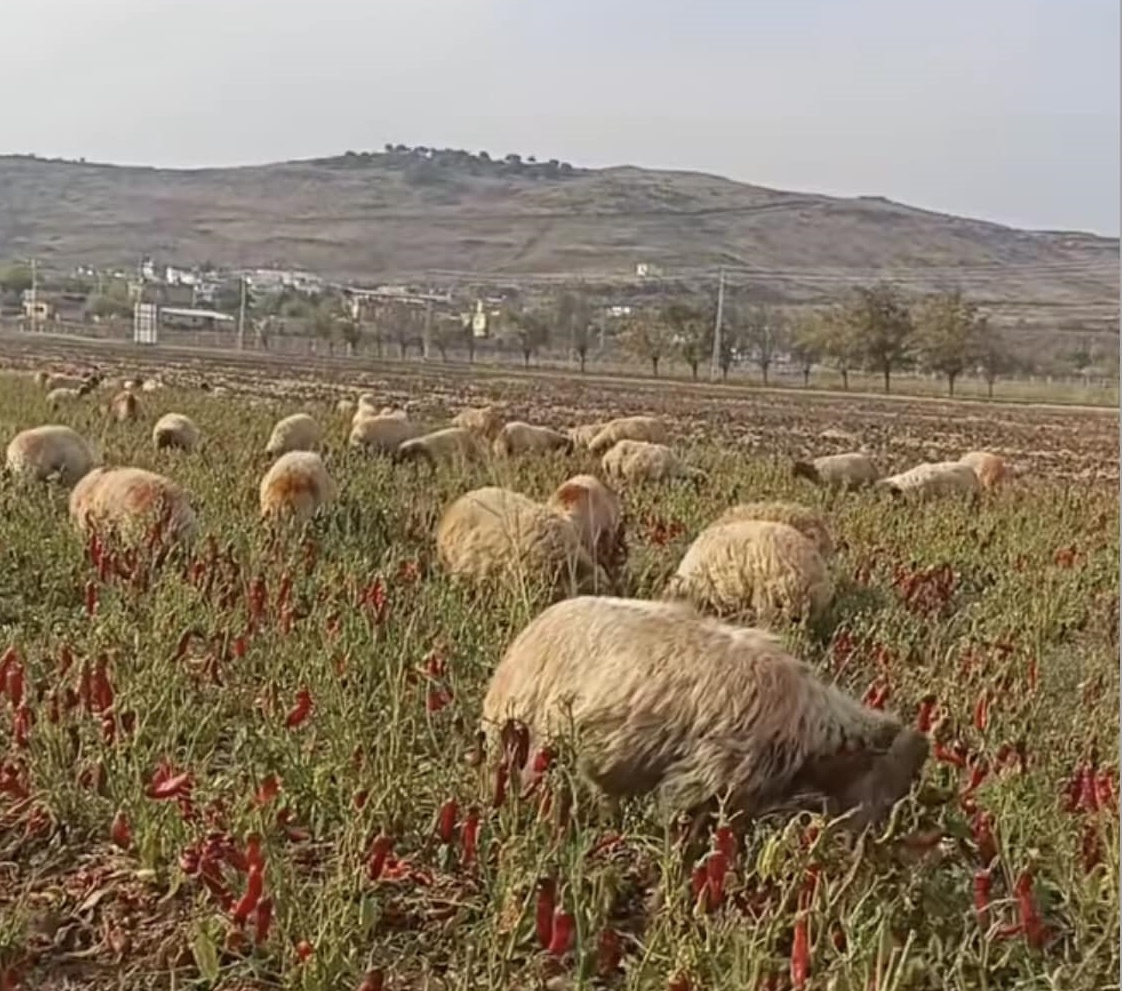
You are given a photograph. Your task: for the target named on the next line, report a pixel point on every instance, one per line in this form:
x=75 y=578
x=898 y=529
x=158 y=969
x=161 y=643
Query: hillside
x=376 y=216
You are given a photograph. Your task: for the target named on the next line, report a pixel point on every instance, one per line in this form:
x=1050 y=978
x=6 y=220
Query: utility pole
x=717 y=327
x=241 y=318
x=34 y=297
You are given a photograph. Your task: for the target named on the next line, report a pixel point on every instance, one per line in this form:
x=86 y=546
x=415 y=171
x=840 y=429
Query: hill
x=401 y=214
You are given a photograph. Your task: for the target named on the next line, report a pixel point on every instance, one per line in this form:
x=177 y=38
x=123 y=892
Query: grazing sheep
x=63 y=396
x=174 y=430
x=296 y=487
x=53 y=382
x=483 y=421
x=41 y=378
x=368 y=401
x=393 y=411
x=753 y=567
x=934 y=479
x=640 y=461
x=584 y=435
x=381 y=434
x=452 y=445
x=152 y=384
x=129 y=501
x=124 y=406
x=493 y=533
x=298 y=432
x=595 y=510
x=644 y=428
x=989 y=468
x=345 y=407
x=518 y=437
x=53 y=452
x=807 y=521
x=698 y=711
x=844 y=471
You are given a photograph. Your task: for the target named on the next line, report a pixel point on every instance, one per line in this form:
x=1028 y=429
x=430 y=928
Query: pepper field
x=247 y=767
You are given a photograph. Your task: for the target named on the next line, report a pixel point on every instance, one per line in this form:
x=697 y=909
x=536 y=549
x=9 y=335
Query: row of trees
x=874 y=329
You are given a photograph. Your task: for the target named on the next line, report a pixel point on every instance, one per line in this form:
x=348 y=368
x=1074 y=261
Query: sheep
x=52 y=452
x=41 y=378
x=807 y=521
x=381 y=434
x=124 y=406
x=152 y=384
x=296 y=487
x=644 y=428
x=753 y=567
x=989 y=468
x=483 y=421
x=845 y=471
x=63 y=395
x=368 y=401
x=174 y=430
x=298 y=432
x=933 y=479
x=130 y=501
x=494 y=533
x=455 y=445
x=518 y=437
x=583 y=435
x=698 y=711
x=345 y=407
x=595 y=510
x=53 y=382
x=637 y=461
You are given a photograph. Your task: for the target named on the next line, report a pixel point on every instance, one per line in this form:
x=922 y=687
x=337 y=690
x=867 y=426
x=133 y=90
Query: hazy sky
x=1005 y=109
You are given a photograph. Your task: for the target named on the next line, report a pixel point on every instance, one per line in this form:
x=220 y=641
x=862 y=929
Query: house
x=44 y=305
x=187 y=318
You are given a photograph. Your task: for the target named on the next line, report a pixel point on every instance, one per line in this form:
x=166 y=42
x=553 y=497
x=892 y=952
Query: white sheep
x=296 y=487
x=584 y=435
x=853 y=470
x=639 y=428
x=517 y=438
x=807 y=521
x=124 y=406
x=483 y=421
x=758 y=568
x=452 y=445
x=152 y=384
x=53 y=382
x=657 y=699
x=345 y=407
x=298 y=432
x=493 y=533
x=934 y=479
x=596 y=512
x=368 y=401
x=990 y=468
x=381 y=434
x=175 y=430
x=57 y=398
x=51 y=452
x=636 y=461
x=130 y=502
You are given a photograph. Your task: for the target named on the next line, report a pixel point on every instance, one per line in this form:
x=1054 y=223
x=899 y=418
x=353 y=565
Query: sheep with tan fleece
x=50 y=453
x=129 y=502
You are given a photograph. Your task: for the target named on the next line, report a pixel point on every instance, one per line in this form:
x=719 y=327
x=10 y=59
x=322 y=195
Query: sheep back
x=52 y=451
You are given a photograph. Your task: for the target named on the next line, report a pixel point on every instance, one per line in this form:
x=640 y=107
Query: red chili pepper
x=262 y=921
x=304 y=950
x=183 y=645
x=1032 y=674
x=301 y=710
x=383 y=847
x=981 y=824
x=437 y=698
x=498 y=796
x=165 y=785
x=716 y=868
x=679 y=982
x=21 y=729
x=725 y=842
x=543 y=911
x=979 y=770
x=446 y=821
x=372 y=980
x=982 y=711
x=91 y=597
x=470 y=838
x=949 y=756
x=120 y=831
x=255 y=886
x=1090 y=846
x=609 y=952
x=14 y=682
x=564 y=932
x=983 y=885
x=1088 y=800
x=253 y=855
x=1031 y=924
x=698 y=887
x=268 y=790
x=800 y=953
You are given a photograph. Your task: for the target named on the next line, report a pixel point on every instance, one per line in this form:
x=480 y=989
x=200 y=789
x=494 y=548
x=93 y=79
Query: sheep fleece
x=54 y=449
x=129 y=500
x=665 y=701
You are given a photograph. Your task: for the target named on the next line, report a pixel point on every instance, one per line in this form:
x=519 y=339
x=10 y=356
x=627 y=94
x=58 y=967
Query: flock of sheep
x=674 y=696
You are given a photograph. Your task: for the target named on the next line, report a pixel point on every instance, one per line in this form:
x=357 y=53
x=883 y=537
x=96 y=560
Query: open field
x=321 y=694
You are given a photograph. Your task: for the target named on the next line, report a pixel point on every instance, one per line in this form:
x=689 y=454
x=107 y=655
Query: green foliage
x=879 y=318
x=949 y=334
x=15 y=278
